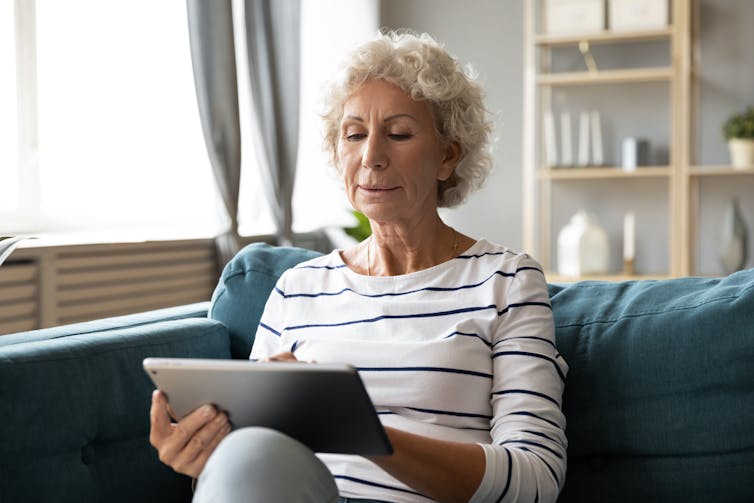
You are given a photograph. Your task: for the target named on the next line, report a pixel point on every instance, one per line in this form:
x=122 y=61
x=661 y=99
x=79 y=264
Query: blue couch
x=659 y=398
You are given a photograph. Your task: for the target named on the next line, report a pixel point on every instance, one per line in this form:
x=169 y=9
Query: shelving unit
x=679 y=176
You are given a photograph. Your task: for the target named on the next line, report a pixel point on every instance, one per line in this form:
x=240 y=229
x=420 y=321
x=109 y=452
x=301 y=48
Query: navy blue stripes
x=267 y=327
x=522 y=304
x=450 y=413
x=540 y=434
x=466 y=334
x=375 y=484
x=551 y=343
x=535 y=444
x=408 y=292
x=393 y=317
x=526 y=392
x=555 y=475
x=531 y=414
x=425 y=369
x=533 y=355
x=419 y=315
x=508 y=480
x=480 y=255
x=329 y=267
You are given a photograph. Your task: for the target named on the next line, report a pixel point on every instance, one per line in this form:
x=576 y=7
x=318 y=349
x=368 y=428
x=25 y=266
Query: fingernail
x=208 y=411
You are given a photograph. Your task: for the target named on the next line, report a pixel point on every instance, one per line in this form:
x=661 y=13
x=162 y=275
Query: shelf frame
x=538 y=85
x=603 y=37
x=720 y=170
x=624 y=76
x=602 y=173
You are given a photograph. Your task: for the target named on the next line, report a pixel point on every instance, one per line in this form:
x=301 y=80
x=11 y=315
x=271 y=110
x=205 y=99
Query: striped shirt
x=463 y=351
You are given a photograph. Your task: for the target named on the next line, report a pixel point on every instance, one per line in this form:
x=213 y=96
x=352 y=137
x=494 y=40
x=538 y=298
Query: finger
x=158 y=418
x=195 y=453
x=183 y=431
x=197 y=465
x=283 y=357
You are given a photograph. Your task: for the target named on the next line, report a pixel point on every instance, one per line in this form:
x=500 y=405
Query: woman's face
x=390 y=155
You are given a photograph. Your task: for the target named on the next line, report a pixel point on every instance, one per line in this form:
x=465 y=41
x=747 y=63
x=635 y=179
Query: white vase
x=582 y=247
x=733 y=242
x=741 y=153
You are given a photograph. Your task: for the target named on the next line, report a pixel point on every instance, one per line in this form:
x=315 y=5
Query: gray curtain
x=214 y=64
x=273 y=37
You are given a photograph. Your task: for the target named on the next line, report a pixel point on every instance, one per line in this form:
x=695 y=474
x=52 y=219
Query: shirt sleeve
x=268 y=340
x=526 y=460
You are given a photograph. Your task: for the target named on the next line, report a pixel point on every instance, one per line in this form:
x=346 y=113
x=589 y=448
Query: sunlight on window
x=254 y=213
x=120 y=139
x=319 y=199
x=9 y=114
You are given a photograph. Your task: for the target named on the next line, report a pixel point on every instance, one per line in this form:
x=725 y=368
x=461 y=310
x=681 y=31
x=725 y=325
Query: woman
x=453 y=337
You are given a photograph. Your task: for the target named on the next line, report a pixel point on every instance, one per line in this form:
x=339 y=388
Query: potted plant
x=739 y=131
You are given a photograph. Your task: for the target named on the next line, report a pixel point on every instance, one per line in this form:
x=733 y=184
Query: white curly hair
x=425 y=71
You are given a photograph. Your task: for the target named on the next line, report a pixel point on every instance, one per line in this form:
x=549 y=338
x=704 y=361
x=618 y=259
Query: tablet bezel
x=324 y=406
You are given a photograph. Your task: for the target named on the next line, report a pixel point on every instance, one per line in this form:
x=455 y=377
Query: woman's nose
x=374 y=154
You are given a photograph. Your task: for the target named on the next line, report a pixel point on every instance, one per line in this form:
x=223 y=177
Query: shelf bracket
x=591 y=64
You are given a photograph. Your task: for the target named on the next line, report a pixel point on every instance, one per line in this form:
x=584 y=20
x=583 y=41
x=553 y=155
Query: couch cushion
x=245 y=284
x=660 y=394
x=75 y=413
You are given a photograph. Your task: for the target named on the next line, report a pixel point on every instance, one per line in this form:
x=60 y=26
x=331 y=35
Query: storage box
x=629 y=15
x=563 y=17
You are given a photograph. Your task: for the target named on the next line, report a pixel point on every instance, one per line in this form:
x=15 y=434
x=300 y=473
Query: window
x=319 y=199
x=115 y=120
x=9 y=178
x=104 y=131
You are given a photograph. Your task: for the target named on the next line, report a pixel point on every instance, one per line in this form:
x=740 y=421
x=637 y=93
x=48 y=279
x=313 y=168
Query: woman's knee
x=265 y=461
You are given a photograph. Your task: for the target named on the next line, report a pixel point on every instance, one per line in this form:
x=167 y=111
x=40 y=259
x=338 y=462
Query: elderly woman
x=452 y=336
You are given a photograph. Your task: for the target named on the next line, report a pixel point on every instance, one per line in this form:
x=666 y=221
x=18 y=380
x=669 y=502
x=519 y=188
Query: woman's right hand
x=186 y=445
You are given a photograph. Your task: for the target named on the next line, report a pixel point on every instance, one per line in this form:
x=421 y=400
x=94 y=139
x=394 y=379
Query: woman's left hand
x=283 y=357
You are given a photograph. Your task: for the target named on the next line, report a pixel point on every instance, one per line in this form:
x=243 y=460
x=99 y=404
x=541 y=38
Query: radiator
x=19 y=296
x=49 y=286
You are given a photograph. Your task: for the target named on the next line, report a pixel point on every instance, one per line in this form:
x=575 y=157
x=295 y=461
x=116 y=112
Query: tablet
x=324 y=406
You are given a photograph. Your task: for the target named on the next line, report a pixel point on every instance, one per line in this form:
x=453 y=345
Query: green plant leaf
x=362 y=230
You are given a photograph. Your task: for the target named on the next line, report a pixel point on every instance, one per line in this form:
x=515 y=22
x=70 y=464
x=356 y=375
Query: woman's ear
x=451 y=157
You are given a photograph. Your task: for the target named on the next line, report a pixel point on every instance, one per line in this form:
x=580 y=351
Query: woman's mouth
x=377 y=188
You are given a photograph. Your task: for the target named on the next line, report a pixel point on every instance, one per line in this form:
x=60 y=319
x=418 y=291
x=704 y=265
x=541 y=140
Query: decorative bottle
x=582 y=247
x=733 y=249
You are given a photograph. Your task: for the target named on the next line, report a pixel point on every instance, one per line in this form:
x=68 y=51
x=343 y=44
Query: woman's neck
x=396 y=249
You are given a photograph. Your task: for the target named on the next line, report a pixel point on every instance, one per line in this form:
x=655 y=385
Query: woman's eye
x=399 y=136
x=355 y=136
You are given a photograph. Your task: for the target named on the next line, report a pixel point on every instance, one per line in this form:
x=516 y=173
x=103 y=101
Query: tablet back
x=324 y=406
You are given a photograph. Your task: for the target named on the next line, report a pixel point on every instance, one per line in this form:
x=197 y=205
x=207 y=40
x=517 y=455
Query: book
x=7 y=245
x=583 y=152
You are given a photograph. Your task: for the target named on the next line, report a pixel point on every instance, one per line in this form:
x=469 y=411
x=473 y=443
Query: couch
x=659 y=398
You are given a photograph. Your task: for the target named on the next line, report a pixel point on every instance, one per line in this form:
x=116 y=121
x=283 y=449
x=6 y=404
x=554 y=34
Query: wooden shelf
x=720 y=171
x=605 y=77
x=604 y=37
x=595 y=173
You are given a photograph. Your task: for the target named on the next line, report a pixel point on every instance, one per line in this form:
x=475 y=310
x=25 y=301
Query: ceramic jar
x=582 y=247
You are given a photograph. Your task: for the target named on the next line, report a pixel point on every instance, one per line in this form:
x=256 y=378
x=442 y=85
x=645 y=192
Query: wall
x=490 y=37
x=489 y=34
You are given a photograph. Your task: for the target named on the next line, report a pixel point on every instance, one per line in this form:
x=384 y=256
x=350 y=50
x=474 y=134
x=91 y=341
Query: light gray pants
x=263 y=465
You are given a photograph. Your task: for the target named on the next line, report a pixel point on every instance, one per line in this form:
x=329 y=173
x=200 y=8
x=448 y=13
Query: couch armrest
x=75 y=413
x=198 y=310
